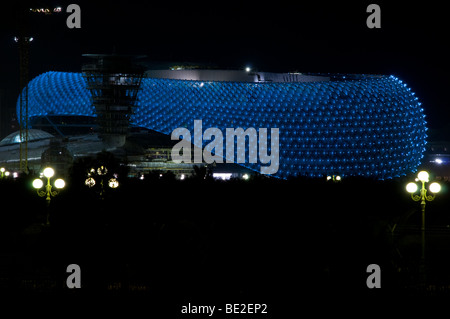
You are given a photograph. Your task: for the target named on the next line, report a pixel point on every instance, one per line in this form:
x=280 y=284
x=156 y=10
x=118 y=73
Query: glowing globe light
x=38 y=183
x=49 y=172
x=435 y=187
x=423 y=176
x=113 y=183
x=90 y=182
x=411 y=188
x=59 y=183
x=102 y=170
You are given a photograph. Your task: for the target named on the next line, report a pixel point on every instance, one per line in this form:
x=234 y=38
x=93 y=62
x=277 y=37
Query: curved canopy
x=33 y=135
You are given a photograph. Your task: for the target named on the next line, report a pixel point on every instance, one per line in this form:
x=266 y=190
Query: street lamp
x=412 y=188
x=3 y=172
x=334 y=178
x=38 y=184
x=101 y=173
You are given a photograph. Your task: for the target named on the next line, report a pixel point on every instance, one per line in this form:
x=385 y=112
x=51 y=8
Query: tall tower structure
x=114 y=82
x=23 y=40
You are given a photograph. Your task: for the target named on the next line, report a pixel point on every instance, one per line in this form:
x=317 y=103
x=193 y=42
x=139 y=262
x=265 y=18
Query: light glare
x=38 y=183
x=113 y=183
x=423 y=176
x=222 y=176
x=90 y=182
x=411 y=188
x=49 y=172
x=435 y=187
x=59 y=183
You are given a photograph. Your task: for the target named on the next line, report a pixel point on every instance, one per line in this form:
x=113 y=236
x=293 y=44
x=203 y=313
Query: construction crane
x=23 y=40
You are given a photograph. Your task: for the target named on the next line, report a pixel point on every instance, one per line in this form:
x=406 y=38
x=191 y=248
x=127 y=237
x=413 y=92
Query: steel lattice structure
x=371 y=126
x=113 y=81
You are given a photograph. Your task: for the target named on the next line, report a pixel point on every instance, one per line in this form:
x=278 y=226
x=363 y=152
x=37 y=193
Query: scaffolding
x=23 y=41
x=114 y=82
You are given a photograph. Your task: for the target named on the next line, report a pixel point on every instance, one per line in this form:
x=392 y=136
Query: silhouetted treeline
x=236 y=238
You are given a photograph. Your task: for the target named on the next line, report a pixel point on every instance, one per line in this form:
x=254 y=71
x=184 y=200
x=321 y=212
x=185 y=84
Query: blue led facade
x=372 y=126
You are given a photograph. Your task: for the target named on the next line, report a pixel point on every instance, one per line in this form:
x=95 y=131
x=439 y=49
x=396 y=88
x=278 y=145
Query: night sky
x=316 y=36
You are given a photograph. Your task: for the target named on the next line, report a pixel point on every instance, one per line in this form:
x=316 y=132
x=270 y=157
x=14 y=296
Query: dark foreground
x=286 y=244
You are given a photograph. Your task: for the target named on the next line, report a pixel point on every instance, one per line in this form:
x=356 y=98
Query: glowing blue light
x=371 y=126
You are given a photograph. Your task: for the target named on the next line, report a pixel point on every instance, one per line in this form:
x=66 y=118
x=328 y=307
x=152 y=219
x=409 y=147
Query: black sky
x=275 y=36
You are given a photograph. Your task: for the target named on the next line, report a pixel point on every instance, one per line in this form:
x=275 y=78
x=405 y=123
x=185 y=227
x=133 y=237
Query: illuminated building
x=347 y=125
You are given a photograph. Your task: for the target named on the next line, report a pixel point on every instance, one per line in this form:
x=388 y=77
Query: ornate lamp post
x=48 y=192
x=100 y=173
x=412 y=188
x=334 y=178
x=4 y=173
